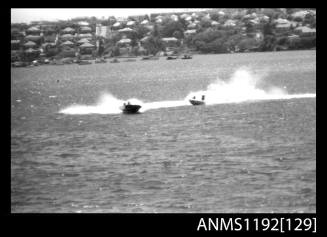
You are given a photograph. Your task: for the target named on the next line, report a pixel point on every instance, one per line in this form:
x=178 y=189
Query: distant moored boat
x=171 y=57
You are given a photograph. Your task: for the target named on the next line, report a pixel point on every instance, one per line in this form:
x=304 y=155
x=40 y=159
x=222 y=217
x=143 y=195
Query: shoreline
x=58 y=62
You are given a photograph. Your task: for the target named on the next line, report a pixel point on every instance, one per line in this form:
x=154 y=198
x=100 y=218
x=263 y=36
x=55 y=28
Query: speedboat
x=194 y=101
x=130 y=108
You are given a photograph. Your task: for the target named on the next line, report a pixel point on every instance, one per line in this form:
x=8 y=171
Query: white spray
x=242 y=87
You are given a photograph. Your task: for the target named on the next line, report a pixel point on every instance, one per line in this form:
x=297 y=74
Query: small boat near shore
x=171 y=57
x=129 y=108
x=194 y=101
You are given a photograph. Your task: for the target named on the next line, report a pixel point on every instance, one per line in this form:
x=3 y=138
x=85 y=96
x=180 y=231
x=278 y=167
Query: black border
x=96 y=224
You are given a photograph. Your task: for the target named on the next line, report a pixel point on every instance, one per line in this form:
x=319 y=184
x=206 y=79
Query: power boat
x=194 y=101
x=130 y=108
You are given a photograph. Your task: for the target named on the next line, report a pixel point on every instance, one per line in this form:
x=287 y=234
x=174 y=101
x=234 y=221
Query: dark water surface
x=239 y=157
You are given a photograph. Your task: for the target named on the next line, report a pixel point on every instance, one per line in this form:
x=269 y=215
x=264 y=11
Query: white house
x=144 y=22
x=130 y=23
x=191 y=26
x=188 y=33
x=83 y=23
x=214 y=23
x=304 y=30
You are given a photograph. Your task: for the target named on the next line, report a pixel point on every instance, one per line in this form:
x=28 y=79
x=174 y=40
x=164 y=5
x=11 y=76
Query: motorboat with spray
x=194 y=101
x=129 y=108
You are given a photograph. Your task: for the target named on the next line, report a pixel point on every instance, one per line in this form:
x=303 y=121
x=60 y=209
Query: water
x=251 y=149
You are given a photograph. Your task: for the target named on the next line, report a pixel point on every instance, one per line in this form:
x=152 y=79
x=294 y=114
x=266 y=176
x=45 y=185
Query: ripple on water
x=241 y=157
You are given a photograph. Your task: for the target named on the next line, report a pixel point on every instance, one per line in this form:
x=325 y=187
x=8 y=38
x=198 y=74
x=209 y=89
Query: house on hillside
x=170 y=43
x=125 y=47
x=144 y=22
x=184 y=16
x=102 y=31
x=138 y=18
x=214 y=23
x=126 y=32
x=49 y=30
x=284 y=25
x=189 y=33
x=86 y=48
x=174 y=17
x=82 y=36
x=116 y=26
x=30 y=44
x=67 y=49
x=125 y=42
x=191 y=26
x=188 y=18
x=159 y=21
x=305 y=31
x=122 y=20
x=302 y=14
x=67 y=44
x=66 y=37
x=33 y=31
x=230 y=23
x=281 y=21
x=82 y=41
x=50 y=38
x=85 y=30
x=83 y=23
x=15 y=44
x=34 y=38
x=68 y=30
x=221 y=13
x=293 y=37
x=130 y=23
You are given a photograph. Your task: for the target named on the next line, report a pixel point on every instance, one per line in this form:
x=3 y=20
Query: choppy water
x=252 y=149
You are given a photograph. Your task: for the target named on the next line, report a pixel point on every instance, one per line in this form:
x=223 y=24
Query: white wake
x=242 y=87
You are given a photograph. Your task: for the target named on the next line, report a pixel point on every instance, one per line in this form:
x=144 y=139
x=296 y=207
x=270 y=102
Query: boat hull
x=131 y=109
x=197 y=102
